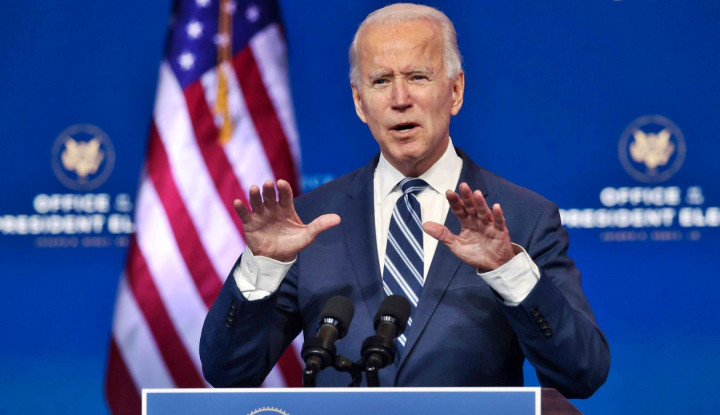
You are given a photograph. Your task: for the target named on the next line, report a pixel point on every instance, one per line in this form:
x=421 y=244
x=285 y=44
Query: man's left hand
x=483 y=241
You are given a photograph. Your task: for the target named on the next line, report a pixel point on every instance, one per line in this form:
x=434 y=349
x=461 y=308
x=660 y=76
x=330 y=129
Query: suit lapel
x=442 y=270
x=444 y=265
x=358 y=225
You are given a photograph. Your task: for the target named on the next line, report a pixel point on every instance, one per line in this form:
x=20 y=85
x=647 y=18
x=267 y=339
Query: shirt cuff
x=257 y=276
x=515 y=279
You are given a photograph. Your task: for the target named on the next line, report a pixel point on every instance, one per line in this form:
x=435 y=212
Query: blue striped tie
x=403 y=272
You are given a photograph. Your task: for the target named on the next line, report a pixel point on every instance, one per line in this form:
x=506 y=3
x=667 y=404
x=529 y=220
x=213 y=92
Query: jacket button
x=539 y=318
x=534 y=311
x=547 y=332
x=233 y=305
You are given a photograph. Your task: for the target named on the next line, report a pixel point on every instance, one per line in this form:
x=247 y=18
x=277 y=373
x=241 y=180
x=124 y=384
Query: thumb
x=323 y=223
x=439 y=232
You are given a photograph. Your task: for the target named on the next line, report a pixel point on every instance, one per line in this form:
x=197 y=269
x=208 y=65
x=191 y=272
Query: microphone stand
x=377 y=352
x=317 y=356
x=372 y=377
x=343 y=364
x=309 y=376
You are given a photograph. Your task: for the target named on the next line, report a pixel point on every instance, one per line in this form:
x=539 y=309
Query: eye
x=418 y=77
x=379 y=82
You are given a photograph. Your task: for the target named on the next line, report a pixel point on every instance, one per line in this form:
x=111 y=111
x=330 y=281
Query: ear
x=358 y=103
x=458 y=93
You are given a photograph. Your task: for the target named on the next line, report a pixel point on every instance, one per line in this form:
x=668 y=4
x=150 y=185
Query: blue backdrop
x=609 y=108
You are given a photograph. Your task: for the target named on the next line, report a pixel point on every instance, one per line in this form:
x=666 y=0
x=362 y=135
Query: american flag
x=222 y=121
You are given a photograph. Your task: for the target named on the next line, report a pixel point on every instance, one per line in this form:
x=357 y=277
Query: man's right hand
x=273 y=229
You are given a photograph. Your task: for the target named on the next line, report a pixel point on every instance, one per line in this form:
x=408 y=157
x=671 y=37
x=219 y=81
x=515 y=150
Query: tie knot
x=412 y=185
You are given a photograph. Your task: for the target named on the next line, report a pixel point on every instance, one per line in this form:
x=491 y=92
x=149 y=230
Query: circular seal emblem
x=267 y=410
x=651 y=149
x=83 y=157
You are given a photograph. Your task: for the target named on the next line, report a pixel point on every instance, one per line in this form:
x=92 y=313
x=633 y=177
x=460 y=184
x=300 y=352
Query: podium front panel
x=343 y=401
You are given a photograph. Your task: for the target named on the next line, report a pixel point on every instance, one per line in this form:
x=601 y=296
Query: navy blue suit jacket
x=462 y=332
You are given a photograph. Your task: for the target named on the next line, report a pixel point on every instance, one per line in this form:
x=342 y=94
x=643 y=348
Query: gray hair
x=408 y=12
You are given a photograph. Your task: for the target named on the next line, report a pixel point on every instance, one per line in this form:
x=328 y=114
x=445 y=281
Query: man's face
x=404 y=95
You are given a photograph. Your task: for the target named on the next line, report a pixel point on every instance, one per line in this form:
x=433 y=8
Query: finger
x=268 y=192
x=466 y=215
x=467 y=198
x=323 y=223
x=439 y=232
x=459 y=209
x=242 y=211
x=456 y=205
x=499 y=217
x=285 y=194
x=483 y=211
x=255 y=199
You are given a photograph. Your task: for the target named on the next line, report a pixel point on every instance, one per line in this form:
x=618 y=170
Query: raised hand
x=483 y=241
x=273 y=228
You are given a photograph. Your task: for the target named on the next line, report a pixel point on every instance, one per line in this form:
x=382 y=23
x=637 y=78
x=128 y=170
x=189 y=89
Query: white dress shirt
x=257 y=276
x=434 y=206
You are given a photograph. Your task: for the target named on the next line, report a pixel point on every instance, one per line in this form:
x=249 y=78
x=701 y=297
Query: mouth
x=403 y=127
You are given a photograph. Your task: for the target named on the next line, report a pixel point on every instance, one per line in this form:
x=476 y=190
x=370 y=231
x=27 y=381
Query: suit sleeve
x=241 y=340
x=554 y=323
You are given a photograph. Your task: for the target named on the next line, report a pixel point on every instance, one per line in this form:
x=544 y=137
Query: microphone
x=319 y=352
x=391 y=319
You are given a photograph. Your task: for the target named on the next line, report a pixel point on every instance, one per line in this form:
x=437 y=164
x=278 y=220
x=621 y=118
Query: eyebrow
x=422 y=70
x=373 y=76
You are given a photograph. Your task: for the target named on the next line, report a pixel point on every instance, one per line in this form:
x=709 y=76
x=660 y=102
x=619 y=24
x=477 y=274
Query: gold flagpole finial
x=224 y=55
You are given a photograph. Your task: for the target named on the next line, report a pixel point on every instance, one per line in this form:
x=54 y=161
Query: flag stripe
x=179 y=364
x=264 y=117
x=191 y=248
x=270 y=54
x=290 y=367
x=206 y=134
x=123 y=395
x=274 y=379
x=134 y=338
x=245 y=152
x=166 y=259
x=214 y=224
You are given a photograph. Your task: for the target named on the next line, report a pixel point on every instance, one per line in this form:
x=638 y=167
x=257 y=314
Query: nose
x=400 y=96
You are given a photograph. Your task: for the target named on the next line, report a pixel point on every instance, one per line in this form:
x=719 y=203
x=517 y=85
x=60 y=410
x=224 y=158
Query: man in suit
x=495 y=283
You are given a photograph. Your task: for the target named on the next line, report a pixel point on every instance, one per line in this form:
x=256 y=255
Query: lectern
x=356 y=401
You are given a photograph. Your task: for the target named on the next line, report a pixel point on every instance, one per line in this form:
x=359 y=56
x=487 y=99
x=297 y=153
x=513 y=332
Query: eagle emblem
x=651 y=149
x=268 y=410
x=82 y=157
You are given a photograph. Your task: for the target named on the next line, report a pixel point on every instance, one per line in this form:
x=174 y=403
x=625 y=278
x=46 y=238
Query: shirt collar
x=437 y=176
